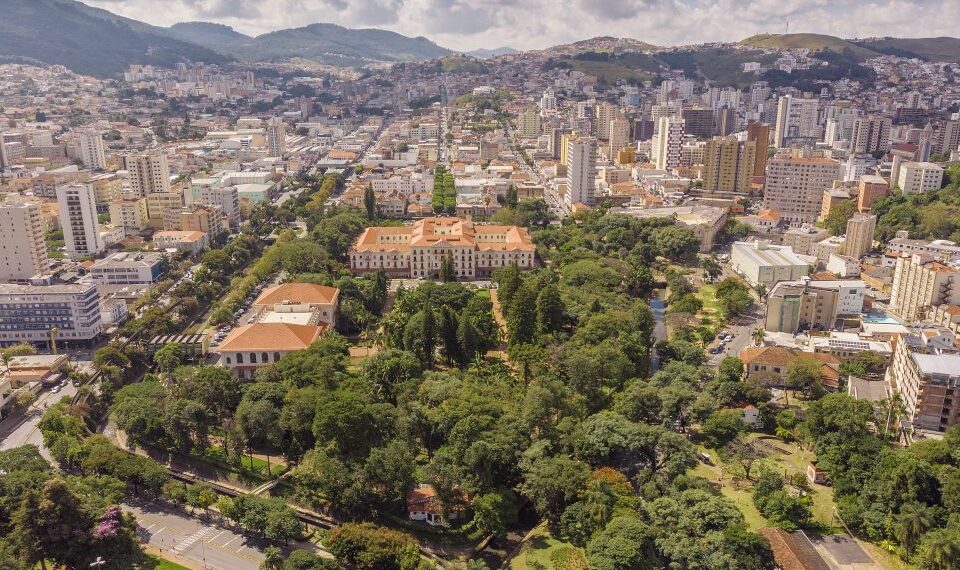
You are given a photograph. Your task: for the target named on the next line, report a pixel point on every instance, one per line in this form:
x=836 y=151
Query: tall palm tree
x=913 y=521
x=758 y=335
x=941 y=551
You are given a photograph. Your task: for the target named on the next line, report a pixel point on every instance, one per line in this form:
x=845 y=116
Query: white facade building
x=91 y=148
x=23 y=253
x=917 y=177
x=78 y=219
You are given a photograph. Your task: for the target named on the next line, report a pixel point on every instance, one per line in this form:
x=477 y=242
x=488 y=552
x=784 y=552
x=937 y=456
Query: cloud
x=532 y=24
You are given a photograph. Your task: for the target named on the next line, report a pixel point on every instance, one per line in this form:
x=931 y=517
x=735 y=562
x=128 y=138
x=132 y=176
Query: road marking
x=151 y=526
x=192 y=539
x=158 y=532
x=231 y=540
x=242 y=546
x=216 y=537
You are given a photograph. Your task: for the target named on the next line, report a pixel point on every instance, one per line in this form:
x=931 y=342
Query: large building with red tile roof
x=249 y=347
x=417 y=250
x=319 y=301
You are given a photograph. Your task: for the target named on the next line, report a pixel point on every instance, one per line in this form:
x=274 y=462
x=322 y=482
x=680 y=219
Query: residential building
x=207 y=219
x=698 y=122
x=918 y=177
x=418 y=250
x=78 y=220
x=91 y=149
x=528 y=123
x=802 y=238
x=728 y=165
x=23 y=252
x=823 y=249
x=794 y=186
x=769 y=365
x=944 y=250
x=806 y=304
x=603 y=114
x=759 y=133
x=870 y=135
x=831 y=198
x=192 y=242
x=129 y=213
x=872 y=188
x=276 y=133
x=29 y=312
x=667 y=145
x=581 y=171
x=249 y=347
x=619 y=135
x=759 y=262
x=797 y=122
x=149 y=173
x=920 y=282
x=860 y=232
x=318 y=301
x=128 y=269
x=949 y=137
x=161 y=208
x=928 y=385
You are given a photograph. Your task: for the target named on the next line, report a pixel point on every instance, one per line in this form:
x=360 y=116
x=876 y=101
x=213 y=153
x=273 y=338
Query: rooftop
x=308 y=293
x=271 y=337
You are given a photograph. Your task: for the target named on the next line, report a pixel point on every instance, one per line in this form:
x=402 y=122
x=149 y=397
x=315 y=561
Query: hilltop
x=929 y=49
x=813 y=42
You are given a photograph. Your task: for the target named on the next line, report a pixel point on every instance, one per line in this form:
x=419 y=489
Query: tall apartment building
x=698 y=122
x=794 y=186
x=149 y=173
x=78 y=219
x=949 y=139
x=619 y=135
x=91 y=148
x=581 y=171
x=603 y=114
x=129 y=213
x=555 y=142
x=23 y=253
x=872 y=188
x=528 y=123
x=870 y=134
x=759 y=133
x=928 y=385
x=920 y=282
x=797 y=121
x=919 y=177
x=276 y=133
x=667 y=145
x=860 y=232
x=418 y=250
x=728 y=165
x=29 y=312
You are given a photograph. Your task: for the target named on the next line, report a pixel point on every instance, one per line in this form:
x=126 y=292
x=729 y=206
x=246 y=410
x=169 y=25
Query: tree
x=469 y=339
x=306 y=560
x=52 y=524
x=840 y=214
x=711 y=266
x=494 y=513
x=272 y=559
x=169 y=356
x=553 y=483
x=448 y=272
x=625 y=544
x=939 y=549
x=804 y=373
x=369 y=547
x=389 y=371
x=746 y=453
x=551 y=313
x=508 y=281
x=370 y=202
x=428 y=334
x=722 y=427
x=522 y=316
x=512 y=196
x=758 y=335
x=914 y=520
x=19 y=349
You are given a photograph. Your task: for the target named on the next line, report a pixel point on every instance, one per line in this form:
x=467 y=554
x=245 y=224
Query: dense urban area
x=604 y=306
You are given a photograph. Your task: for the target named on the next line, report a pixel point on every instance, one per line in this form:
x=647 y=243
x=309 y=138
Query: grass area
x=164 y=564
x=609 y=72
x=536 y=550
x=711 y=306
x=739 y=489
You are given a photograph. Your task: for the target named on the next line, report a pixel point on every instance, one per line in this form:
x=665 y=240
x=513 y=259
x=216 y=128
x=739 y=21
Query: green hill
x=930 y=49
x=326 y=43
x=813 y=42
x=88 y=40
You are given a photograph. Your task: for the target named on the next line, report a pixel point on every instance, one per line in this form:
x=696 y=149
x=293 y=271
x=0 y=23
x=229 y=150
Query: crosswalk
x=192 y=539
x=182 y=542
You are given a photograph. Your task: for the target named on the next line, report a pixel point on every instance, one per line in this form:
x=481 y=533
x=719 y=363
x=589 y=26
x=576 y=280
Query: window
x=276 y=356
x=253 y=358
x=264 y=357
x=239 y=358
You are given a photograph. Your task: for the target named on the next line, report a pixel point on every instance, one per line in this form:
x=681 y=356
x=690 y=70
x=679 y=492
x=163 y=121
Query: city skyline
x=490 y=24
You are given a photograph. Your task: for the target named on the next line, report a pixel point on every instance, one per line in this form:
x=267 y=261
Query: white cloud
x=531 y=24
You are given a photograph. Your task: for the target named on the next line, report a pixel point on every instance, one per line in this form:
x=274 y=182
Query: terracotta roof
x=793 y=552
x=271 y=336
x=770 y=215
x=771 y=355
x=299 y=292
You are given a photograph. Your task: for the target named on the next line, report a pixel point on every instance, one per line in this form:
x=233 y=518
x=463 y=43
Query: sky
x=464 y=25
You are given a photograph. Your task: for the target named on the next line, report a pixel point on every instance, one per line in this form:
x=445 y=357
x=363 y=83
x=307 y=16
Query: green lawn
x=163 y=564
x=536 y=550
x=708 y=294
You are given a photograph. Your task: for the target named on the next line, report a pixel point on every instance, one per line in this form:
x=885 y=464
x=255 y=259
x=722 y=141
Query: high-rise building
x=667 y=146
x=797 y=121
x=728 y=165
x=555 y=142
x=860 y=232
x=581 y=171
x=872 y=188
x=149 y=173
x=276 y=137
x=73 y=309
x=919 y=282
x=949 y=137
x=619 y=132
x=794 y=186
x=760 y=133
x=603 y=114
x=23 y=253
x=870 y=134
x=725 y=121
x=919 y=177
x=91 y=150
x=528 y=126
x=548 y=101
x=4 y=159
x=927 y=382
x=78 y=219
x=698 y=122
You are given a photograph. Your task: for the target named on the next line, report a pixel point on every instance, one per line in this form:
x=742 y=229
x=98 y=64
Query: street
x=741 y=329
x=203 y=542
x=19 y=430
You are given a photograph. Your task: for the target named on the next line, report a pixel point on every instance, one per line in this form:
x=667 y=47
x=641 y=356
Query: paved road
x=202 y=542
x=17 y=431
x=741 y=329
